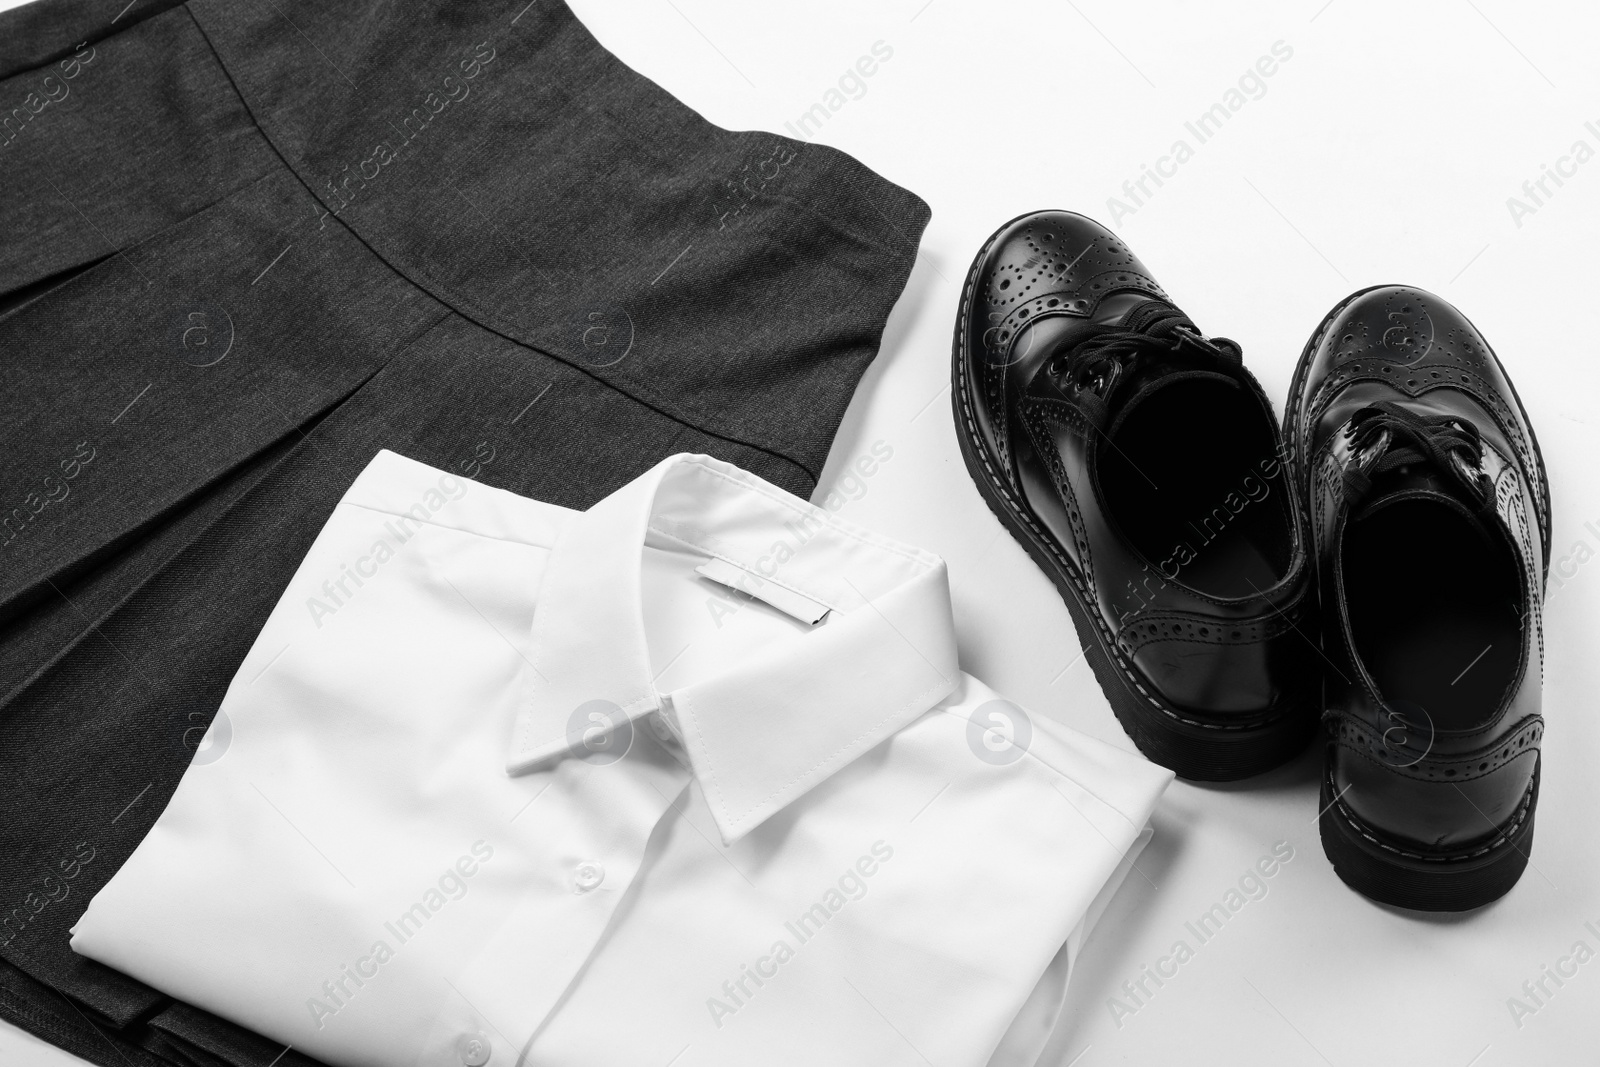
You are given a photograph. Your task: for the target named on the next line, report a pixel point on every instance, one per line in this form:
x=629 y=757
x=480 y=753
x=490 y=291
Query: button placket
x=587 y=875
x=660 y=727
x=475 y=1049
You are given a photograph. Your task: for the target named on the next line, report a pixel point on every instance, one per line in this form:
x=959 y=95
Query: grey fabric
x=245 y=246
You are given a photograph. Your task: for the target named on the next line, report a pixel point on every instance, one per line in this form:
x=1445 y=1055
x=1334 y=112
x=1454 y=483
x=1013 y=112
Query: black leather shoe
x=1139 y=464
x=1430 y=513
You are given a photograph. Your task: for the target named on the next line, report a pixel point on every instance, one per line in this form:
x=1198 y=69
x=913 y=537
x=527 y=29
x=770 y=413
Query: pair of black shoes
x=1377 y=565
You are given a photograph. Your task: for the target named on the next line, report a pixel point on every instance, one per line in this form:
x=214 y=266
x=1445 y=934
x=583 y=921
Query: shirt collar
x=771 y=727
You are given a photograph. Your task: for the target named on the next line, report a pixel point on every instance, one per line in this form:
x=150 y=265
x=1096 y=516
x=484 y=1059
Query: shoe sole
x=1373 y=864
x=1380 y=869
x=1191 y=747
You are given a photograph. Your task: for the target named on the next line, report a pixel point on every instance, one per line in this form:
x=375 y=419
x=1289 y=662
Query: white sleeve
x=1026 y=1042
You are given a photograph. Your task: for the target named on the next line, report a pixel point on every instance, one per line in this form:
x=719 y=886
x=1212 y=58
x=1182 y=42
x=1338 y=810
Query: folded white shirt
x=692 y=777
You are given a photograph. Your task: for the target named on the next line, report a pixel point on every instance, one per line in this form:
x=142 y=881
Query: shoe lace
x=1398 y=437
x=1092 y=368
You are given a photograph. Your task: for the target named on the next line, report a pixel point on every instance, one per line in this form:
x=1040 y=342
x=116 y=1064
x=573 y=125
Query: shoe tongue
x=1148 y=315
x=1159 y=319
x=1419 y=481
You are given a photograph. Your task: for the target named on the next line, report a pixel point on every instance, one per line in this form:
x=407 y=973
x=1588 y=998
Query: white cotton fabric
x=500 y=778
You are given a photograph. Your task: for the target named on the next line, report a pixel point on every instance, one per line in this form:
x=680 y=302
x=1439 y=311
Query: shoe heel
x=1388 y=874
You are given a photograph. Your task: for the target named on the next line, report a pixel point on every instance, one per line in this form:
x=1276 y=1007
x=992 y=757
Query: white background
x=1384 y=150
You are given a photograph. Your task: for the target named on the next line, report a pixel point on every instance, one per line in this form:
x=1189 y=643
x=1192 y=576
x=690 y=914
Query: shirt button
x=588 y=875
x=475 y=1049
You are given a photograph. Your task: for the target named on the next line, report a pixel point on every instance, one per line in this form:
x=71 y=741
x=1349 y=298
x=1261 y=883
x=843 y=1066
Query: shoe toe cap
x=1390 y=342
x=1400 y=335
x=1049 y=263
